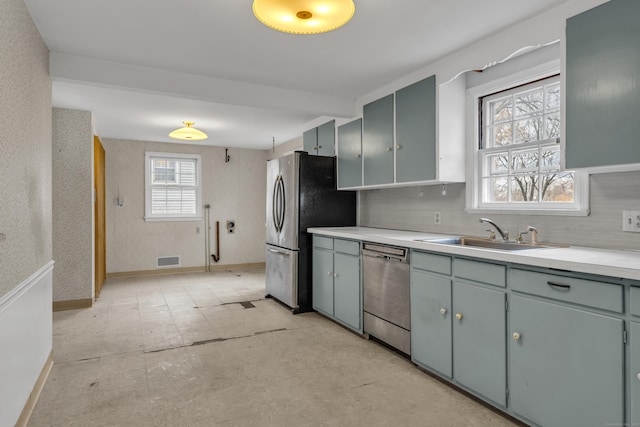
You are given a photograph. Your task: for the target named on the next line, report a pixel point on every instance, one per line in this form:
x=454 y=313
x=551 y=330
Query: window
x=518 y=154
x=172 y=187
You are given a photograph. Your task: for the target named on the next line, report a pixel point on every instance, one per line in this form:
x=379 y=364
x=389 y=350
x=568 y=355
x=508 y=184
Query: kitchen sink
x=480 y=242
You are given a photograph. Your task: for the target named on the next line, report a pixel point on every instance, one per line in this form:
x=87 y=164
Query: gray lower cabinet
x=566 y=364
x=634 y=374
x=323 y=280
x=431 y=344
x=337 y=280
x=479 y=345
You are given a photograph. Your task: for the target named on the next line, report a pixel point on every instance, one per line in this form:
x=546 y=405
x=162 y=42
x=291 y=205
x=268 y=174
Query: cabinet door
x=431 y=321
x=323 y=281
x=416 y=131
x=566 y=367
x=377 y=141
x=603 y=91
x=347 y=306
x=327 y=139
x=350 y=154
x=634 y=374
x=310 y=141
x=479 y=344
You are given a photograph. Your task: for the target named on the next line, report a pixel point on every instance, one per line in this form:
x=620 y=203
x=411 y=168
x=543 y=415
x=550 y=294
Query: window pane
x=497 y=163
x=529 y=130
x=164 y=171
x=558 y=187
x=496 y=189
x=553 y=97
x=551 y=157
x=524 y=188
x=552 y=123
x=502 y=109
x=524 y=160
x=529 y=103
x=500 y=135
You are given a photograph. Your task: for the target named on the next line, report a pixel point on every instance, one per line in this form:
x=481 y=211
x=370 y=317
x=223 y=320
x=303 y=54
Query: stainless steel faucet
x=503 y=234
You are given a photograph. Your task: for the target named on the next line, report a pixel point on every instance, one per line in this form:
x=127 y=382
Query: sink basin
x=480 y=242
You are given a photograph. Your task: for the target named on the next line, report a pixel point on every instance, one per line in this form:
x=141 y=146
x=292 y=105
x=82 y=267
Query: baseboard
x=181 y=270
x=30 y=405
x=73 y=304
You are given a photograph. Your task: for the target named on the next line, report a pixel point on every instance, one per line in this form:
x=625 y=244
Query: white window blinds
x=172 y=186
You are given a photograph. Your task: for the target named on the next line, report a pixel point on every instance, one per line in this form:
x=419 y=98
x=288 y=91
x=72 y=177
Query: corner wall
x=25 y=209
x=235 y=190
x=72 y=191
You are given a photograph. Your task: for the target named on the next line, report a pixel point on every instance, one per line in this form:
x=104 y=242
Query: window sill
x=523 y=211
x=172 y=218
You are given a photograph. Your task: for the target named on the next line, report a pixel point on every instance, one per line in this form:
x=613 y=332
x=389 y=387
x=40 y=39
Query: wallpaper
x=25 y=147
x=72 y=205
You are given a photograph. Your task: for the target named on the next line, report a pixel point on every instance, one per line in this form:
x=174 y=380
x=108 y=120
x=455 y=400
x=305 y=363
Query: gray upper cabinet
x=602 y=86
x=350 y=154
x=377 y=141
x=415 y=135
x=320 y=141
x=416 y=131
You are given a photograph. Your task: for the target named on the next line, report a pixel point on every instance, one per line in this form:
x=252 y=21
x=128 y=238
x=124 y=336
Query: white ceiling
x=144 y=66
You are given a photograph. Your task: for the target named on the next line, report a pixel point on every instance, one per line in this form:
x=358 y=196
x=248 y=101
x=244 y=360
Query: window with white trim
x=519 y=155
x=172 y=187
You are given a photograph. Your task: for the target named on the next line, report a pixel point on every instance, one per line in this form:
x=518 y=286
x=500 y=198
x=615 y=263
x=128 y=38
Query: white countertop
x=606 y=262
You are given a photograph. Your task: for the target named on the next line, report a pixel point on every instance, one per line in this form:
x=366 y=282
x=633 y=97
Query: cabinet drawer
x=483 y=272
x=322 y=242
x=431 y=262
x=590 y=293
x=635 y=301
x=346 y=246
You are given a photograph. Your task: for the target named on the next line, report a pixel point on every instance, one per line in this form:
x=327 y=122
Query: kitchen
x=414 y=208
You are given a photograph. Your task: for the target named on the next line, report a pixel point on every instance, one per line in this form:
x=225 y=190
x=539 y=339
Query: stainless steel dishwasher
x=386 y=301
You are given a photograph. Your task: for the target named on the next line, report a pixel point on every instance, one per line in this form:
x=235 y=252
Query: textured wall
x=25 y=147
x=412 y=208
x=72 y=205
x=235 y=190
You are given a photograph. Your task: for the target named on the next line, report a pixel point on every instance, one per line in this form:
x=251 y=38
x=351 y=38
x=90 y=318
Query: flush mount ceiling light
x=304 y=16
x=188 y=133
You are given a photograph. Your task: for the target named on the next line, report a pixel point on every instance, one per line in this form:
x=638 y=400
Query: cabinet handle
x=516 y=336
x=357 y=156
x=559 y=285
x=443 y=311
x=459 y=316
x=319 y=147
x=639 y=377
x=398 y=147
x=329 y=273
x=389 y=149
x=335 y=274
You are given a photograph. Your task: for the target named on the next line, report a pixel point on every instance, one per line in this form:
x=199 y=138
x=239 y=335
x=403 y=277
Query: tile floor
x=181 y=351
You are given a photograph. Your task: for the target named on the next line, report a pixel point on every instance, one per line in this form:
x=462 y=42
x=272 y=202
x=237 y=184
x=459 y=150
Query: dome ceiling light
x=188 y=133
x=304 y=16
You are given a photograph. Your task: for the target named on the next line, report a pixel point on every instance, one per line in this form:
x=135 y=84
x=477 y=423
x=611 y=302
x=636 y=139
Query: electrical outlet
x=631 y=221
x=436 y=218
x=197 y=230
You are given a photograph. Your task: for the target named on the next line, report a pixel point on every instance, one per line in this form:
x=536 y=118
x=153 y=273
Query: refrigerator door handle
x=279 y=218
x=278 y=252
x=275 y=204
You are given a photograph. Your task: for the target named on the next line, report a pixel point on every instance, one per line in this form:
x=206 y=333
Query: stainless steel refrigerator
x=301 y=193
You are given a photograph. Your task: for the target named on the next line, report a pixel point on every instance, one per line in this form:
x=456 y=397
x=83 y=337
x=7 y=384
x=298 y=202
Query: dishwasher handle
x=386 y=253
